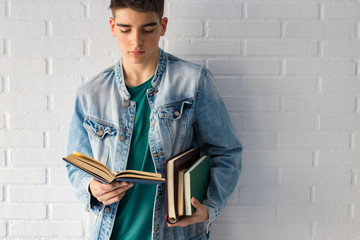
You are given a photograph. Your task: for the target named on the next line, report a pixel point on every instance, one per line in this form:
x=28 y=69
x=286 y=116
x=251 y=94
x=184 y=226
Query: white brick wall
x=289 y=72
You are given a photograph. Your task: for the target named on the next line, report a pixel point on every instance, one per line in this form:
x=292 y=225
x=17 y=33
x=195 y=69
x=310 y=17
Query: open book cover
x=103 y=174
x=174 y=169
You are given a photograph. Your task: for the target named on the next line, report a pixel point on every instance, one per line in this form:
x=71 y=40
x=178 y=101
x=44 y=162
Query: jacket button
x=121 y=138
x=177 y=113
x=107 y=210
x=156 y=229
x=100 y=133
x=126 y=104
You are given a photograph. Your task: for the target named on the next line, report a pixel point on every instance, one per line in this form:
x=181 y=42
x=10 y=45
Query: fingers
x=201 y=214
x=109 y=193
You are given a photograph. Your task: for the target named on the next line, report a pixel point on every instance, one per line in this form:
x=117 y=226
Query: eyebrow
x=144 y=25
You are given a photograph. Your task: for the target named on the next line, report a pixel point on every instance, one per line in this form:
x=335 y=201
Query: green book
x=196 y=181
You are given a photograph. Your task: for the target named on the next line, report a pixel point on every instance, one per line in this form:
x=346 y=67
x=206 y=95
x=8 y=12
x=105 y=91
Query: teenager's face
x=137 y=34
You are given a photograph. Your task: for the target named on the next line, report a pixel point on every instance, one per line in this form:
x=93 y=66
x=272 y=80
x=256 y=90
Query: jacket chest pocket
x=100 y=138
x=177 y=117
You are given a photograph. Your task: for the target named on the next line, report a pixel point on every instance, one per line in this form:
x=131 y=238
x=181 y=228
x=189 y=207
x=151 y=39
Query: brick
x=344 y=10
x=342 y=48
x=244 y=67
x=314 y=140
x=52 y=83
x=2 y=121
x=2 y=9
x=348 y=122
x=281 y=48
x=22 y=211
x=257 y=176
x=99 y=10
x=204 y=47
x=41 y=194
x=22 y=176
x=248 y=213
x=39 y=121
x=208 y=9
x=65 y=103
x=278 y=122
x=28 y=65
x=341 y=85
x=339 y=158
x=21 y=28
x=315 y=104
x=337 y=194
x=58 y=176
x=280 y=85
x=261 y=230
x=332 y=212
x=282 y=10
x=67 y=212
x=357 y=212
x=22 y=102
x=236 y=104
x=2 y=158
x=184 y=29
x=81 y=66
x=230 y=86
x=357 y=141
x=320 y=30
x=46 y=229
x=2 y=229
x=319 y=175
x=1 y=193
x=36 y=158
x=104 y=47
x=338 y=230
x=320 y=67
x=46 y=10
x=257 y=141
x=11 y=139
x=274 y=195
x=295 y=158
x=250 y=29
x=58 y=138
x=47 y=47
x=81 y=29
x=2 y=48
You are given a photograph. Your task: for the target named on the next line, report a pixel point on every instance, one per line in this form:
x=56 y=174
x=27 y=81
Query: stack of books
x=187 y=176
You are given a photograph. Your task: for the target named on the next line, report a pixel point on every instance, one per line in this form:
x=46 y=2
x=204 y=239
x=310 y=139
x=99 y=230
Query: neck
x=136 y=74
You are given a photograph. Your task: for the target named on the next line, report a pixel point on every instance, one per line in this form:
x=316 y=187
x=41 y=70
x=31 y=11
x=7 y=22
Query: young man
x=137 y=114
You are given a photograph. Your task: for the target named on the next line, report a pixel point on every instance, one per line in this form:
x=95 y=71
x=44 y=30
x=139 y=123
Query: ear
x=163 y=23
x=112 y=26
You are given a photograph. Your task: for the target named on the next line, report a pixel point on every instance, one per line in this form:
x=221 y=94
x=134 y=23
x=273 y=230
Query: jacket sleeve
x=216 y=137
x=79 y=141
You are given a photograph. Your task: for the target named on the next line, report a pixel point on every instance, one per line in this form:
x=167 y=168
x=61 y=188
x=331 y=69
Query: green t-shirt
x=135 y=212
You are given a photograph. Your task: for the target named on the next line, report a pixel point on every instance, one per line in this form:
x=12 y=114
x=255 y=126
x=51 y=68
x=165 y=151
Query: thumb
x=195 y=202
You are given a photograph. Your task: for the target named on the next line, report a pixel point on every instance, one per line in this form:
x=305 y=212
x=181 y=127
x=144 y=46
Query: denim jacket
x=186 y=111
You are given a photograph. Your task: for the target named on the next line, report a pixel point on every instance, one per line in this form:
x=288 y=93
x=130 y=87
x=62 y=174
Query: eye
x=148 y=30
x=125 y=30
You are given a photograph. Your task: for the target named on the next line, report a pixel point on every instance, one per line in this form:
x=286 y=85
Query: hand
x=109 y=193
x=201 y=214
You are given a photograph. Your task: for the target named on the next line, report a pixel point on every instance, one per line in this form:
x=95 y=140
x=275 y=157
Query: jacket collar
x=120 y=81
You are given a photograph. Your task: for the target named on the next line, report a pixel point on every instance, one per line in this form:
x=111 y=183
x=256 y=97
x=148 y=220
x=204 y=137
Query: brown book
x=174 y=166
x=103 y=174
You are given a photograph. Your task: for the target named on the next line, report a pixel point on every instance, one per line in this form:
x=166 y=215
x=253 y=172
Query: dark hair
x=139 y=5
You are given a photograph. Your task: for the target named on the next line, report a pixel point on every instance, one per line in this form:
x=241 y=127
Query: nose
x=136 y=38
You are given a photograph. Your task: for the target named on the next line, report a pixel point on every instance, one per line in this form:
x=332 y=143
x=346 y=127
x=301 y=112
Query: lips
x=136 y=52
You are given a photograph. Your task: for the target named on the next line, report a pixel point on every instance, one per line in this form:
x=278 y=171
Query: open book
x=103 y=174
